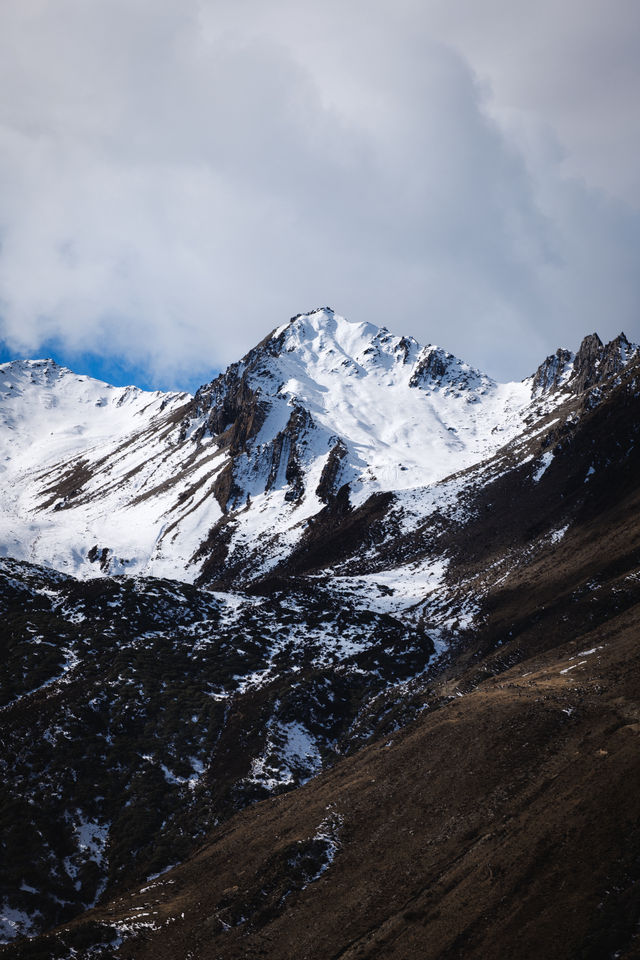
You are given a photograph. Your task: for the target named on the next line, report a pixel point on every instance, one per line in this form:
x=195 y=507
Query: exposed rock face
x=101 y=556
x=594 y=363
x=552 y=371
x=224 y=486
x=431 y=367
x=328 y=485
x=406 y=347
x=615 y=357
x=436 y=368
x=586 y=363
x=286 y=454
x=230 y=411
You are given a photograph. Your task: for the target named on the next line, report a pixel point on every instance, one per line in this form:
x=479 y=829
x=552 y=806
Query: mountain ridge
x=321 y=402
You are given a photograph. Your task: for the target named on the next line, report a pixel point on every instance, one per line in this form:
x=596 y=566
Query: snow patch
x=545 y=460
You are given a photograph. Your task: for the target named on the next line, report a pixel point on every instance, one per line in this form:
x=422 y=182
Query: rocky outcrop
x=229 y=410
x=286 y=467
x=405 y=347
x=328 y=485
x=596 y=362
x=615 y=356
x=224 y=487
x=431 y=367
x=593 y=364
x=438 y=369
x=551 y=371
x=586 y=363
x=101 y=556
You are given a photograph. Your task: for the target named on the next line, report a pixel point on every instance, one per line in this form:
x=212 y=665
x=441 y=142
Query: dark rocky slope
x=137 y=713
x=502 y=822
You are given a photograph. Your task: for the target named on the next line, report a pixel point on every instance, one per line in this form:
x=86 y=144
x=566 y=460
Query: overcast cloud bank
x=178 y=177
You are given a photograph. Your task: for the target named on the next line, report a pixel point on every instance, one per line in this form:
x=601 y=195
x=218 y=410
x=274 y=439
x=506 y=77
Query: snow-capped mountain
x=417 y=599
x=337 y=402
x=96 y=479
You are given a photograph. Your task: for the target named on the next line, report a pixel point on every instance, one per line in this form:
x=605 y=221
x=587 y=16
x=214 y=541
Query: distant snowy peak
x=49 y=412
x=18 y=377
x=48 y=379
x=594 y=363
x=324 y=402
x=34 y=371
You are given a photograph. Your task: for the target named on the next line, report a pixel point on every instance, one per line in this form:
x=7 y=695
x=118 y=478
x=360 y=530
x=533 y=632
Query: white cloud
x=179 y=177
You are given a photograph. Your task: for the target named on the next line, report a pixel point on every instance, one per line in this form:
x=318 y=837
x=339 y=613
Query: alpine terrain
x=337 y=658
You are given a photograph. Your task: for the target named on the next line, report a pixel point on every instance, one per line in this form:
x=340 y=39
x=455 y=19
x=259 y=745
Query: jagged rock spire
x=594 y=363
x=585 y=365
x=551 y=371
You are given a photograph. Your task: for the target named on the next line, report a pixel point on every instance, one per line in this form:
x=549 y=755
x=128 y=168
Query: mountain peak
x=23 y=372
x=594 y=363
x=318 y=318
x=554 y=371
x=324 y=324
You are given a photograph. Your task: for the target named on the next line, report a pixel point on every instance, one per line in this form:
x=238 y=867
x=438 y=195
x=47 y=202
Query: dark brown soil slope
x=505 y=823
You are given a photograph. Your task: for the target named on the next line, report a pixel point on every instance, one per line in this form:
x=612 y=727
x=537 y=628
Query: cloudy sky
x=177 y=177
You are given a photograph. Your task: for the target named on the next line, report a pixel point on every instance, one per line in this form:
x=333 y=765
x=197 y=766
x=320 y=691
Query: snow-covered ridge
x=53 y=423
x=48 y=411
x=97 y=479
